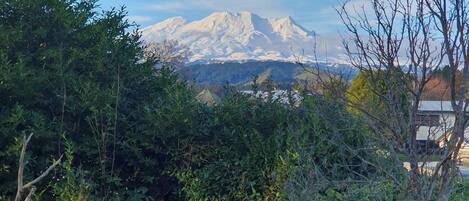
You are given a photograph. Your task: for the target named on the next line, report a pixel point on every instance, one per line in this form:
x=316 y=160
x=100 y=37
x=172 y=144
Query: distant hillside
x=241 y=73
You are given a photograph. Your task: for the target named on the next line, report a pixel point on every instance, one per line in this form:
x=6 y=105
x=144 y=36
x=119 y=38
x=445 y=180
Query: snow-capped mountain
x=226 y=36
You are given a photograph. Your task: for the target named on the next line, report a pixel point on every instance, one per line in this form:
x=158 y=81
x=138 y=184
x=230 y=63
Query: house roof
x=437 y=106
x=443 y=106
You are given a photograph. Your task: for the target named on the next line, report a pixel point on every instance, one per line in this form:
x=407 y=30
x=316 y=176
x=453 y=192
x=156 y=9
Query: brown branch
x=44 y=174
x=21 y=165
x=30 y=194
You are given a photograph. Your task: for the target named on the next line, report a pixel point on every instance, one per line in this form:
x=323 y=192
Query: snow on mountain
x=226 y=36
x=164 y=28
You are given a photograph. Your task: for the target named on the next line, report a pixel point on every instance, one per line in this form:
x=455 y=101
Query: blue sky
x=316 y=15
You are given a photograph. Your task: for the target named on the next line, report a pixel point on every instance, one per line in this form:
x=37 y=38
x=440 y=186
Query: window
x=427 y=120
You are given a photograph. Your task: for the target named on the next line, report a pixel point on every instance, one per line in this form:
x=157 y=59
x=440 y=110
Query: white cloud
x=172 y=6
x=139 y=19
x=315 y=16
x=265 y=8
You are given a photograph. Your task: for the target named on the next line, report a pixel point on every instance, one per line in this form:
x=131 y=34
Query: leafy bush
x=461 y=191
x=332 y=158
x=67 y=70
x=134 y=132
x=241 y=156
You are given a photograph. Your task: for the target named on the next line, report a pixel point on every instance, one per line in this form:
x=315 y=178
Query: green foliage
x=461 y=191
x=78 y=80
x=373 y=92
x=70 y=184
x=242 y=156
x=68 y=70
x=329 y=153
x=365 y=95
x=263 y=150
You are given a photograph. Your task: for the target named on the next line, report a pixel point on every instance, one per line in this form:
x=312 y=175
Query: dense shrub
x=265 y=150
x=78 y=80
x=68 y=71
x=241 y=157
x=330 y=153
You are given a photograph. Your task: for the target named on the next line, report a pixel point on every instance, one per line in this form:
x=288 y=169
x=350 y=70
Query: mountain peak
x=220 y=14
x=289 y=28
x=176 y=19
x=287 y=19
x=224 y=36
x=163 y=29
x=173 y=21
x=231 y=17
x=228 y=13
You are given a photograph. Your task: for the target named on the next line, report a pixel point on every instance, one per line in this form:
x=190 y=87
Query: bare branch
x=30 y=194
x=44 y=174
x=21 y=165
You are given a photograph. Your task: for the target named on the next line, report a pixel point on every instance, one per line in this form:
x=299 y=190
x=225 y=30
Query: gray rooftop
x=443 y=106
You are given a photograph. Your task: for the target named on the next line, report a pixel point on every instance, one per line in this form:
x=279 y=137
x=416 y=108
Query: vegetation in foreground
x=81 y=83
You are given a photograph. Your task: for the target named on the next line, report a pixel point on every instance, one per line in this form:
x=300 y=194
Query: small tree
x=360 y=91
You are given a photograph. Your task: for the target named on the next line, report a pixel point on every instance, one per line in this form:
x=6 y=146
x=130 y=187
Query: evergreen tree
x=66 y=70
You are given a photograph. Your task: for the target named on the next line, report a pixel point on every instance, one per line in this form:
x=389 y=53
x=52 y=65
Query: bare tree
x=451 y=19
x=169 y=53
x=30 y=185
x=396 y=43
